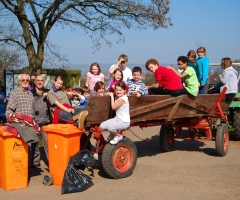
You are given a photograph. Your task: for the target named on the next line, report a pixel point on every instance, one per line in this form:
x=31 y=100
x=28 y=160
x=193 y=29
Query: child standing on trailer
x=122 y=119
x=192 y=57
x=94 y=75
x=203 y=66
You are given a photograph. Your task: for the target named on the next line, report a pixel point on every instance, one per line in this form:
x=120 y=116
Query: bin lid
x=64 y=129
x=5 y=133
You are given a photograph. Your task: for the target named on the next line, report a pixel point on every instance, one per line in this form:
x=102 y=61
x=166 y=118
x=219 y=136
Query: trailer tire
x=166 y=138
x=236 y=124
x=222 y=140
x=119 y=160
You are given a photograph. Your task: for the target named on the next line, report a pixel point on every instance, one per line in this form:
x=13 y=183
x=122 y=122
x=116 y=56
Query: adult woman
x=228 y=78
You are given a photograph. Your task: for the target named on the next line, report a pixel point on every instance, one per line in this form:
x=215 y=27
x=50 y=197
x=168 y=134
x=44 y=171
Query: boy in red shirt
x=167 y=82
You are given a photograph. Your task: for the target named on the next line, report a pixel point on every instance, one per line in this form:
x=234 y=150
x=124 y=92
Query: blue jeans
x=67 y=117
x=3 y=119
x=202 y=89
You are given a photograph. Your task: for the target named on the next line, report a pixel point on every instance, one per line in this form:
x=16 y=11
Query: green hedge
x=70 y=76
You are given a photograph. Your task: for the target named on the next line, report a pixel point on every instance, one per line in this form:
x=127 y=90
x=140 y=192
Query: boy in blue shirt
x=85 y=91
x=135 y=85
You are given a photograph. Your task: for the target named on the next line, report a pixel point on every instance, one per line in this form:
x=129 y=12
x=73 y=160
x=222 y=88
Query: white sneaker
x=110 y=137
x=116 y=139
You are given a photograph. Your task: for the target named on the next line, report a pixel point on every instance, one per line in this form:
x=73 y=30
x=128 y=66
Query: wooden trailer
x=204 y=116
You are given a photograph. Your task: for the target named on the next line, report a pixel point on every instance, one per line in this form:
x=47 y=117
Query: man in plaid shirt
x=21 y=100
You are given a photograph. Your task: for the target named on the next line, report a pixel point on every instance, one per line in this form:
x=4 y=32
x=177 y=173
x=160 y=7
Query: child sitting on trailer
x=122 y=119
x=229 y=78
x=188 y=77
x=135 y=85
x=100 y=89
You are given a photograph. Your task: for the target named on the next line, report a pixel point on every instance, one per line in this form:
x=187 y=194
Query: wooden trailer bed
x=161 y=108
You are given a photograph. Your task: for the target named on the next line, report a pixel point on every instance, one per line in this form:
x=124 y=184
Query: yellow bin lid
x=64 y=129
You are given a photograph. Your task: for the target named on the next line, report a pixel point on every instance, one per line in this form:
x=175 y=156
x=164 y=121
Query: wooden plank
x=153 y=106
x=174 y=109
x=196 y=105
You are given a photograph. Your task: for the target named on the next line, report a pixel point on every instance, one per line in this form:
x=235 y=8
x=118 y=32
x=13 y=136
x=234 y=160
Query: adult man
x=21 y=100
x=121 y=64
x=42 y=117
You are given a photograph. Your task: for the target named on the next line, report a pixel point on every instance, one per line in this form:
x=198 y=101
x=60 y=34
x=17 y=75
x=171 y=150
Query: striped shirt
x=20 y=101
x=137 y=86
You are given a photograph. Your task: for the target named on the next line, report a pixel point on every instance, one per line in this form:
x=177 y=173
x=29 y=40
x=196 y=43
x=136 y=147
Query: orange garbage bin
x=13 y=161
x=63 y=142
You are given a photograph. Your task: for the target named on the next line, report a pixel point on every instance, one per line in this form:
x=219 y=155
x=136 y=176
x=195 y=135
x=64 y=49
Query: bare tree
x=27 y=23
x=9 y=59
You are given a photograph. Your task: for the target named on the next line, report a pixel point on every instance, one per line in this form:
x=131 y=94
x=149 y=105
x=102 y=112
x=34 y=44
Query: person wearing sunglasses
x=21 y=99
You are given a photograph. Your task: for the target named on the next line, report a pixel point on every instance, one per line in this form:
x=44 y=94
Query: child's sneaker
x=110 y=137
x=117 y=138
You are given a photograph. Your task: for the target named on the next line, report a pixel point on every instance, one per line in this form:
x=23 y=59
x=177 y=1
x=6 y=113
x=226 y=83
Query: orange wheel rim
x=123 y=158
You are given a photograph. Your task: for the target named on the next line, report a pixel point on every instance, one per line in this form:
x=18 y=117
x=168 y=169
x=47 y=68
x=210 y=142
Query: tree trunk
x=35 y=64
x=35 y=58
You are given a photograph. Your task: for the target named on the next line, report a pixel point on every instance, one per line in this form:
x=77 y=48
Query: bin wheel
x=119 y=160
x=47 y=179
x=222 y=140
x=166 y=138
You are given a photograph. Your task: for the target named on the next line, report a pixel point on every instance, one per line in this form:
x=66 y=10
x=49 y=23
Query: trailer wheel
x=222 y=140
x=47 y=179
x=166 y=138
x=236 y=124
x=119 y=160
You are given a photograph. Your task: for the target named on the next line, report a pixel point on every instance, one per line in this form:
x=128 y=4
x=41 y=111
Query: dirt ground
x=191 y=171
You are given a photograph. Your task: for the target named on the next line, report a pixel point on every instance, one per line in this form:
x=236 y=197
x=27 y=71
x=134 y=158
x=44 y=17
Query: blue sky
x=213 y=24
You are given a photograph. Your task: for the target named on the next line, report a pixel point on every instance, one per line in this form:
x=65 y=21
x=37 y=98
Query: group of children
x=191 y=80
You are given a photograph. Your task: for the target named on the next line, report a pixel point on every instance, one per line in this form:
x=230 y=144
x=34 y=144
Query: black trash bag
x=74 y=180
x=84 y=159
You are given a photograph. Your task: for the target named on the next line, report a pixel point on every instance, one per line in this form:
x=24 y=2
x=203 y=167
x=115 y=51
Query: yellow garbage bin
x=13 y=161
